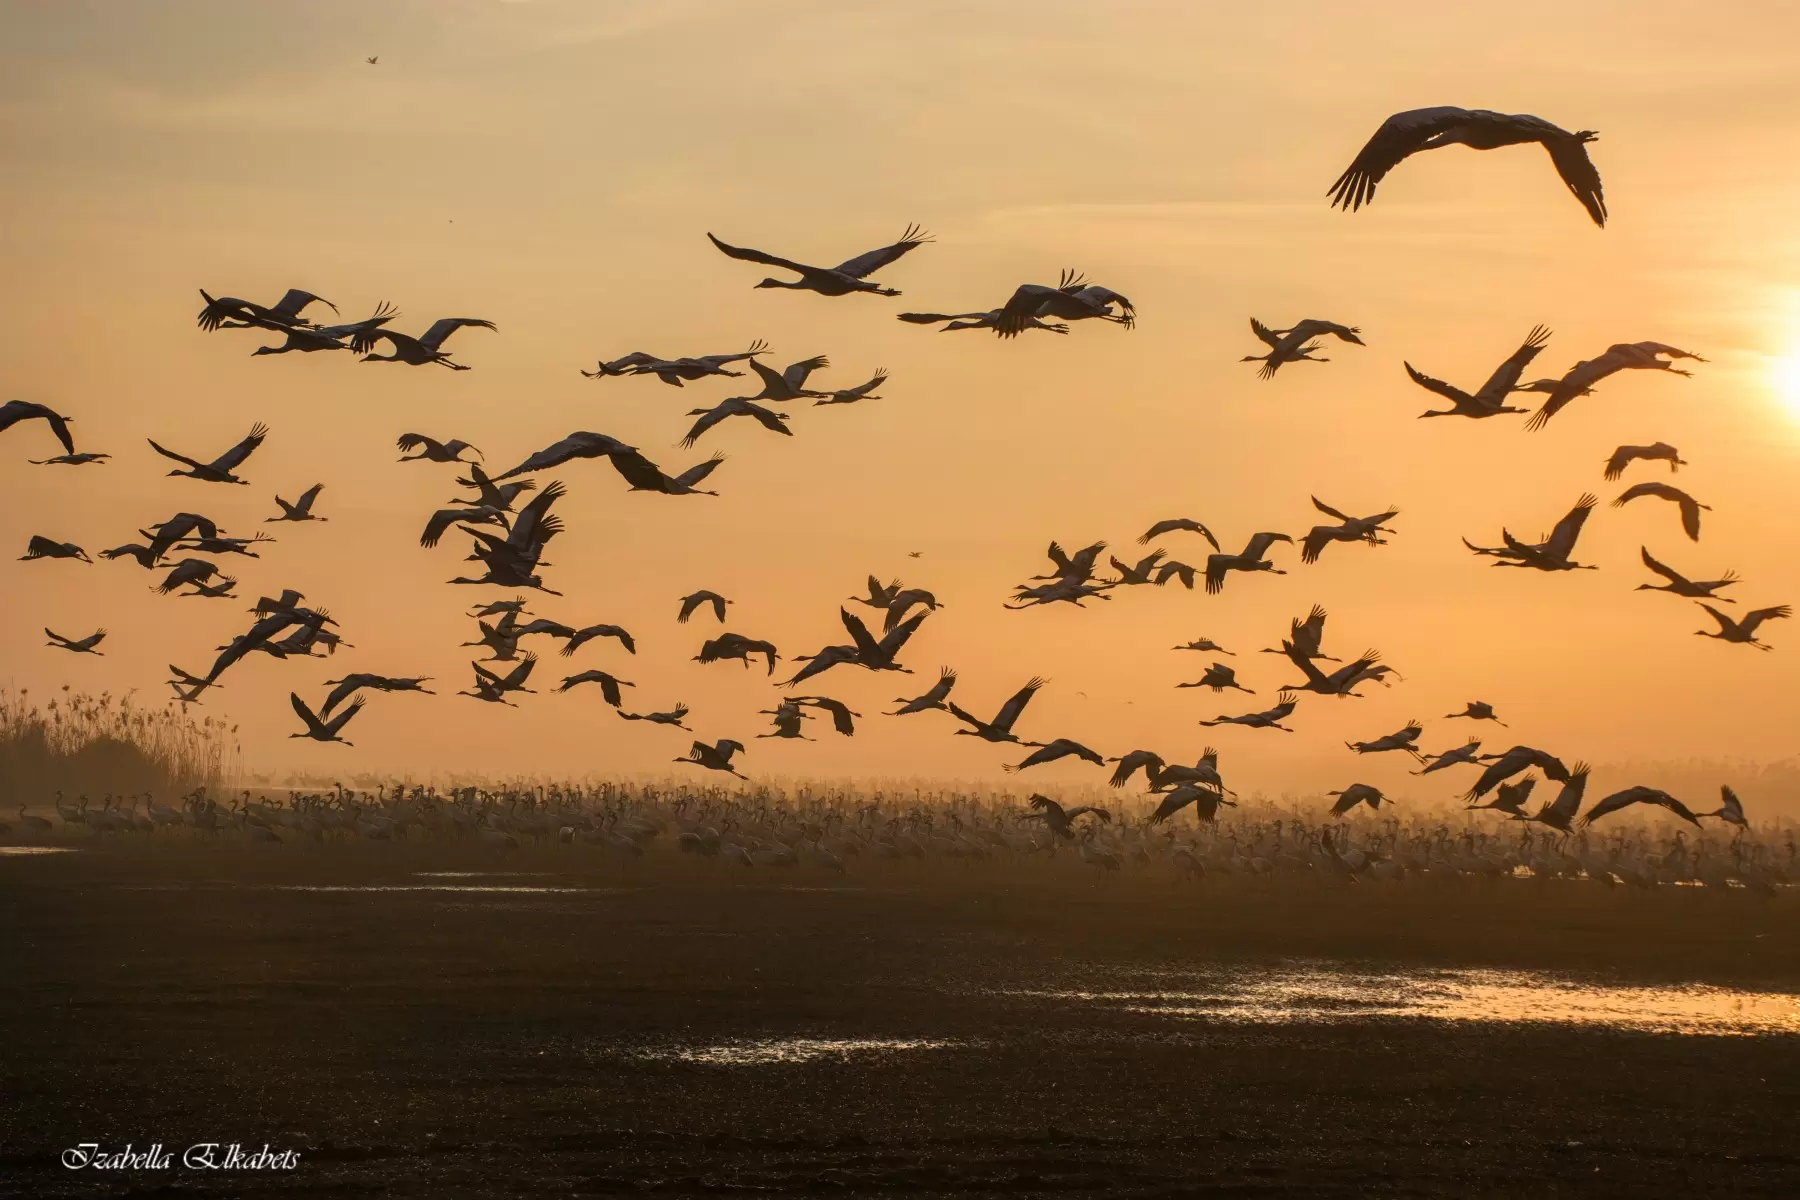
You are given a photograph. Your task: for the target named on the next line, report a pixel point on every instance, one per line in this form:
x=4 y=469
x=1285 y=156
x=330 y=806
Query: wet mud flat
x=428 y=1021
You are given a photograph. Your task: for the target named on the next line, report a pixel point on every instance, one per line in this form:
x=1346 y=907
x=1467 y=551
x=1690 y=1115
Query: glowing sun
x=1784 y=375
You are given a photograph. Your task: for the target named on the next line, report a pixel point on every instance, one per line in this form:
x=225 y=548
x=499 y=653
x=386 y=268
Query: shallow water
x=15 y=851
x=1327 y=993
x=770 y=1051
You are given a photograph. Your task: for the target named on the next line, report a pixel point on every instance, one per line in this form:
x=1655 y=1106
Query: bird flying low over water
x=220 y=469
x=1407 y=133
x=1742 y=630
x=14 y=411
x=1730 y=810
x=1295 y=344
x=84 y=645
x=716 y=757
x=849 y=276
x=323 y=731
x=428 y=347
x=1357 y=793
x=1054 y=750
x=1639 y=795
x=1690 y=507
x=1624 y=456
x=1680 y=585
x=1060 y=820
x=1581 y=378
x=1551 y=554
x=1490 y=399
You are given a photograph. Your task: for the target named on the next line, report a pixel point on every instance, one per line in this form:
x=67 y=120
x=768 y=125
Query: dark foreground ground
x=449 y=1044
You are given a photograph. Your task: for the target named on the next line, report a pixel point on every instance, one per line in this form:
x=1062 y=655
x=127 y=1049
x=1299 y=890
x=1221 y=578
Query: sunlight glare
x=1784 y=375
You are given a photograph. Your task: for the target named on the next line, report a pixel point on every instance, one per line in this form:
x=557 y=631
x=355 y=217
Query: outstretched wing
x=757 y=256
x=1400 y=136
x=1011 y=710
x=1453 y=394
x=180 y=458
x=1666 y=572
x=863 y=265
x=1562 y=539
x=1506 y=375
x=237 y=454
x=434 y=337
x=1569 y=154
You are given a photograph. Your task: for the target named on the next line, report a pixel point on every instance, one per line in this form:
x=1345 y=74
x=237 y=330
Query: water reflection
x=514 y=888
x=766 y=1051
x=14 y=851
x=1316 y=993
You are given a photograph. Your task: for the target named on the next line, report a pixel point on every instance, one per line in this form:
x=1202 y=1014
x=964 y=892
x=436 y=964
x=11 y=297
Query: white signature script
x=201 y=1156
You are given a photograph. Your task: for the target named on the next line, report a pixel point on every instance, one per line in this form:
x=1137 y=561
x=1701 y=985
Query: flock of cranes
x=510 y=518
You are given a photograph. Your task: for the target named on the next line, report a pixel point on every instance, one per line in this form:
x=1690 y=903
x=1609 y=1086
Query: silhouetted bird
x=220 y=469
x=79 y=646
x=1743 y=629
x=14 y=411
x=1581 y=378
x=42 y=547
x=694 y=600
x=1624 y=456
x=427 y=347
x=849 y=276
x=301 y=509
x=1680 y=585
x=1690 y=507
x=1490 y=399
x=432 y=450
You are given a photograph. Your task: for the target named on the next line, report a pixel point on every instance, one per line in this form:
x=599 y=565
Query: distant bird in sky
x=1218 y=677
x=1742 y=630
x=790 y=382
x=978 y=320
x=581 y=637
x=1060 y=820
x=323 y=731
x=42 y=547
x=357 y=336
x=674 y=371
x=230 y=312
x=1206 y=802
x=645 y=476
x=1252 y=559
x=862 y=391
x=581 y=444
x=373 y=60
x=1072 y=299
x=735 y=645
x=736 y=406
x=716 y=757
x=1551 y=554
x=220 y=469
x=349 y=685
x=1624 y=456
x=609 y=685
x=1296 y=344
x=1680 y=585
x=1581 y=378
x=428 y=347
x=693 y=601
x=301 y=509
x=77 y=645
x=1349 y=529
x=1490 y=399
x=1205 y=645
x=1000 y=729
x=1407 y=133
x=14 y=411
x=68 y=460
x=1639 y=795
x=673 y=717
x=849 y=276
x=934 y=698
x=1178 y=525
x=1268 y=718
x=1477 y=710
x=1690 y=507
x=432 y=450
x=1357 y=793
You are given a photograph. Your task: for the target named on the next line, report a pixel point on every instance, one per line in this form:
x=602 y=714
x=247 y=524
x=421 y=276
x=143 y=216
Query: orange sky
x=555 y=167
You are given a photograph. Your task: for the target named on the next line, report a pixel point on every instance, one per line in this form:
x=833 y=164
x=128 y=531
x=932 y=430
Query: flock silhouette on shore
x=510 y=517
